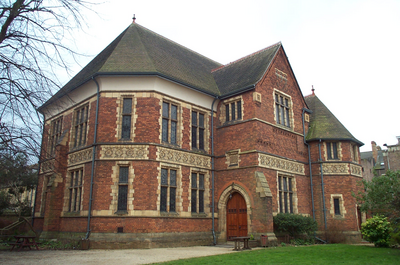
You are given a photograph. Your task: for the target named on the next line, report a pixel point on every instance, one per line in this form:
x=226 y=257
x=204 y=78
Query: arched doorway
x=236 y=216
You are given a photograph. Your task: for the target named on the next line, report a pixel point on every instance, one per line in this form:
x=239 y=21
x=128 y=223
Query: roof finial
x=312 y=89
x=134 y=18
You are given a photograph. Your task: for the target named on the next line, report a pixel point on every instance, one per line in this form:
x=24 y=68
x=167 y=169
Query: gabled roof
x=245 y=72
x=139 y=51
x=324 y=125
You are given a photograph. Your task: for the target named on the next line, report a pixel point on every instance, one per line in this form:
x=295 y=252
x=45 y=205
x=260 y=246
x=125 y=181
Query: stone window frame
x=329 y=147
x=115 y=188
x=76 y=126
x=289 y=117
x=206 y=130
x=341 y=206
x=206 y=199
x=55 y=133
x=121 y=114
x=178 y=190
x=70 y=188
x=294 y=204
x=354 y=152
x=227 y=105
x=179 y=128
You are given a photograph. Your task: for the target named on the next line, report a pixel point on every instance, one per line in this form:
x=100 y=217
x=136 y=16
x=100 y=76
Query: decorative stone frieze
x=47 y=166
x=280 y=164
x=124 y=152
x=335 y=168
x=80 y=157
x=183 y=158
x=356 y=170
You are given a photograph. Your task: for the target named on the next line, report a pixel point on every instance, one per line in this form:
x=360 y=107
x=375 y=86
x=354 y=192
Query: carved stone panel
x=80 y=157
x=280 y=164
x=183 y=158
x=119 y=152
x=47 y=166
x=356 y=170
x=335 y=168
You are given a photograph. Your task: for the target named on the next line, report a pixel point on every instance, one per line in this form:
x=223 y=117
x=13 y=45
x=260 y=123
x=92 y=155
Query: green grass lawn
x=317 y=254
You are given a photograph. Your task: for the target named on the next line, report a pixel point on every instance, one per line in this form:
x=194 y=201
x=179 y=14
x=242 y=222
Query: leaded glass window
x=168 y=190
x=55 y=134
x=197 y=198
x=126 y=118
x=336 y=204
x=80 y=126
x=331 y=149
x=75 y=190
x=123 y=188
x=282 y=110
x=233 y=111
x=169 y=123
x=197 y=130
x=285 y=191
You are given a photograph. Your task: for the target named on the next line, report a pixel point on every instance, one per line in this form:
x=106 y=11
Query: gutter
x=322 y=181
x=93 y=159
x=309 y=162
x=212 y=172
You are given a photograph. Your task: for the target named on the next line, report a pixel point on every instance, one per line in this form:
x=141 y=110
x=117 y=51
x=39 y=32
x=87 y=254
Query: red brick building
x=152 y=144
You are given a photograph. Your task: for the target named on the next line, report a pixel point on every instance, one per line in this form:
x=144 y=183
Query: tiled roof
x=244 y=72
x=324 y=125
x=139 y=51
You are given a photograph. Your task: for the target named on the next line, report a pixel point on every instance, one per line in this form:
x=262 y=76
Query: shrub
x=377 y=230
x=295 y=224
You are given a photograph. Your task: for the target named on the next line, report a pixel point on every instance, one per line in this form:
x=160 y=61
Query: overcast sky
x=348 y=50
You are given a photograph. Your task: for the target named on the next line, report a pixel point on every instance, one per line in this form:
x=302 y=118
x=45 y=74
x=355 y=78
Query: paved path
x=115 y=257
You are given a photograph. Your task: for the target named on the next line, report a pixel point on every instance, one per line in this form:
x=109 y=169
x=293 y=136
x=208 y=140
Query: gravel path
x=116 y=257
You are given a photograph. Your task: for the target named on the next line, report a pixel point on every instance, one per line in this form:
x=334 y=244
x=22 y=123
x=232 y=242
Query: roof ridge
x=133 y=24
x=247 y=56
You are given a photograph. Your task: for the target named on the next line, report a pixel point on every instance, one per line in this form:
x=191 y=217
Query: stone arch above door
x=223 y=200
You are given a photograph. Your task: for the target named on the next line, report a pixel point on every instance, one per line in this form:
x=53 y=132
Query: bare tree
x=33 y=48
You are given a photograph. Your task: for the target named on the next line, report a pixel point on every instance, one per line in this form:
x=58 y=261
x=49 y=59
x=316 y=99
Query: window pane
x=172 y=192
x=282 y=115
x=286 y=102
x=290 y=184
x=194 y=118
x=163 y=199
x=280 y=182
x=239 y=110
x=276 y=98
x=126 y=127
x=201 y=139
x=127 y=106
x=174 y=112
x=335 y=154
x=70 y=200
x=87 y=113
x=194 y=180
x=328 y=150
x=233 y=111
x=337 y=206
x=122 y=197
x=194 y=137
x=173 y=132
x=201 y=201
x=194 y=202
x=172 y=178
x=227 y=112
x=285 y=184
x=291 y=202
x=165 y=110
x=80 y=178
x=123 y=174
x=164 y=176
x=280 y=202
x=165 y=130
x=201 y=120
x=286 y=202
x=287 y=118
x=201 y=181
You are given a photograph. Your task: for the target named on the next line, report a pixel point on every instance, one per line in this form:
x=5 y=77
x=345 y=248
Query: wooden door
x=236 y=216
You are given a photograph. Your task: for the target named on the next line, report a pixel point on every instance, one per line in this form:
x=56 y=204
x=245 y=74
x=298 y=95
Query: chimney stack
x=374 y=152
